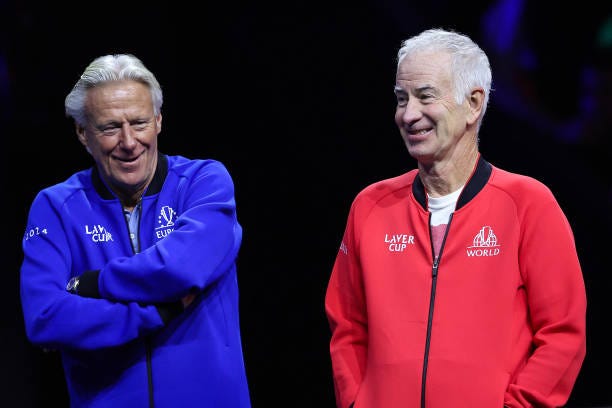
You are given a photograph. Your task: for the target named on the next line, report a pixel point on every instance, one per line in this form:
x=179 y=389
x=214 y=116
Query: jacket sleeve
x=556 y=297
x=55 y=318
x=201 y=249
x=346 y=314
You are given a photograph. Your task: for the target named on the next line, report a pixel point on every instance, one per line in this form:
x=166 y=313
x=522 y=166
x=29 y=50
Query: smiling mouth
x=417 y=136
x=128 y=159
x=418 y=132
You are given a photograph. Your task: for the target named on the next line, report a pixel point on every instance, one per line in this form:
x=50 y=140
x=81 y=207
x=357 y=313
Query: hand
x=186 y=300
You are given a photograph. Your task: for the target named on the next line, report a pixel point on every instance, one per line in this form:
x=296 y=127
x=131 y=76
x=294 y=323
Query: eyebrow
x=424 y=88
x=104 y=124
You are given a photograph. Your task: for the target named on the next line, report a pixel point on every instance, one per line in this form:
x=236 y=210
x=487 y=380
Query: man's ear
x=158 y=119
x=476 y=102
x=80 y=131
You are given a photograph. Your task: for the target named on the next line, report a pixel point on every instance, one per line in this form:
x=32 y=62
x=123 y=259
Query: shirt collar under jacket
x=479 y=178
x=154 y=187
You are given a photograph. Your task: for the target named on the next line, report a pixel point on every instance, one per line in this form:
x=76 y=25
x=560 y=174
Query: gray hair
x=469 y=64
x=107 y=68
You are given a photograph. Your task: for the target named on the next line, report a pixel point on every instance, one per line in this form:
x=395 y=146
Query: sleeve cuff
x=168 y=311
x=88 y=284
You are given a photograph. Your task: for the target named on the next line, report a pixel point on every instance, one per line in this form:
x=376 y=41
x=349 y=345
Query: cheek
x=398 y=116
x=105 y=147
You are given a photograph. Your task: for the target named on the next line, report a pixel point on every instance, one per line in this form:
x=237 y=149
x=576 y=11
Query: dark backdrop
x=297 y=100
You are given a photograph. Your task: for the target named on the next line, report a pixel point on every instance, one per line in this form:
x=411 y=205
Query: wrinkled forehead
x=119 y=99
x=424 y=67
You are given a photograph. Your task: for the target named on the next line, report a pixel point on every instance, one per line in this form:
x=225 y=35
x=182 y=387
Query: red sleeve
x=557 y=307
x=346 y=313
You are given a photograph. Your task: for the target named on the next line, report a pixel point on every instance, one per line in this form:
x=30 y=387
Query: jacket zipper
x=147 y=343
x=149 y=371
x=434 y=281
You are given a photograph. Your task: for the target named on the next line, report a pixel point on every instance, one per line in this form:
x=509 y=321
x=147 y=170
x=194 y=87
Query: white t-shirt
x=441 y=208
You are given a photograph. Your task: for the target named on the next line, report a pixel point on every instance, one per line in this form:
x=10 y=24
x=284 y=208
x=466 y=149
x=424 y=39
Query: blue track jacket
x=125 y=345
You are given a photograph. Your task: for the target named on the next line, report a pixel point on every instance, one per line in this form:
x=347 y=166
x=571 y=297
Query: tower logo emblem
x=484 y=243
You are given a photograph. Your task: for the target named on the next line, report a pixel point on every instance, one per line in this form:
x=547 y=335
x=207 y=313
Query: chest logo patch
x=98 y=233
x=166 y=219
x=484 y=244
x=398 y=242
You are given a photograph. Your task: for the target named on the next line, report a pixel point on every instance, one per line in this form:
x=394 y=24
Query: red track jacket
x=498 y=320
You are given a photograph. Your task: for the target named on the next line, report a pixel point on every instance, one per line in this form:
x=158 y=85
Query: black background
x=297 y=100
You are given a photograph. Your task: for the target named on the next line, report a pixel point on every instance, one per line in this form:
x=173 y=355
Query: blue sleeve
x=55 y=318
x=200 y=250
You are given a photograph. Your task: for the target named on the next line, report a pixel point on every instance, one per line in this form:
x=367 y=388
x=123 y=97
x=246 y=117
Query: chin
x=417 y=152
x=421 y=156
